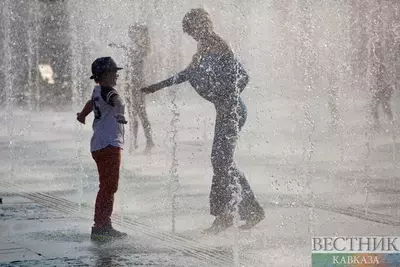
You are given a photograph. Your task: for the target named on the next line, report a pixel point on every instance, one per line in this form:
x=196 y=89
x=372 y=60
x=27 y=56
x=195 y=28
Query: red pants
x=108 y=162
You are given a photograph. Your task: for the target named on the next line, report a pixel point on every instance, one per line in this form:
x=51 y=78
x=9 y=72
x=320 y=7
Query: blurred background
x=288 y=47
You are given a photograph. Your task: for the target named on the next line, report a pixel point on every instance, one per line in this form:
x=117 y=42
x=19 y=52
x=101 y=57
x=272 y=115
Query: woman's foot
x=253 y=220
x=221 y=223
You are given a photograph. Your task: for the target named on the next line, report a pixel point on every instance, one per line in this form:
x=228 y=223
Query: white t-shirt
x=106 y=129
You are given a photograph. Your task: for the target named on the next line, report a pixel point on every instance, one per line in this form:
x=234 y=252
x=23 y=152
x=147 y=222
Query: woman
x=217 y=77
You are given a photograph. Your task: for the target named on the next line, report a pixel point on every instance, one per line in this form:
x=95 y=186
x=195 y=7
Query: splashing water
x=306 y=62
x=236 y=187
x=273 y=61
x=77 y=102
x=9 y=92
x=173 y=171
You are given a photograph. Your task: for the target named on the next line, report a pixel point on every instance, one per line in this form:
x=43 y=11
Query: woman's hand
x=81 y=118
x=149 y=89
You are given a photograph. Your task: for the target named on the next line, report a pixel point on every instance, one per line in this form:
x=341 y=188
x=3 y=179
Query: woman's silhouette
x=218 y=77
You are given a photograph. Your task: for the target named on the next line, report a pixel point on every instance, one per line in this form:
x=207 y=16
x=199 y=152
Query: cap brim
x=92 y=77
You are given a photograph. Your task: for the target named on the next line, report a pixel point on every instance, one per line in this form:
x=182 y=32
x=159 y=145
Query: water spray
x=173 y=171
x=77 y=102
x=30 y=23
x=367 y=171
x=309 y=154
x=36 y=93
x=368 y=136
x=31 y=65
x=395 y=164
x=308 y=58
x=9 y=92
x=128 y=94
x=237 y=189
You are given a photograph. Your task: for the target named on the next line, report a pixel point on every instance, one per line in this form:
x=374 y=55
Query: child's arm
x=85 y=111
x=119 y=108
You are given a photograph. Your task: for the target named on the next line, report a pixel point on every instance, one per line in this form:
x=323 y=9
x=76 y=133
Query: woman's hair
x=197 y=19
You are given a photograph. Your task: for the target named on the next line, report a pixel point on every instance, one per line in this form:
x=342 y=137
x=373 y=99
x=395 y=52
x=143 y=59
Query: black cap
x=102 y=65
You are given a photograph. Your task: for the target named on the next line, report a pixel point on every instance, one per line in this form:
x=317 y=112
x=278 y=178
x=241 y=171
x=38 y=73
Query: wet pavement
x=48 y=184
x=34 y=235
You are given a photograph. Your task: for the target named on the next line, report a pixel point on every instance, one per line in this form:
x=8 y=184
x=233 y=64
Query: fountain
x=309 y=101
x=9 y=93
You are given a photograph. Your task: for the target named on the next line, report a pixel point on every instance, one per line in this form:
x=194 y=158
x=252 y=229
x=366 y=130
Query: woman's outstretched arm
x=181 y=77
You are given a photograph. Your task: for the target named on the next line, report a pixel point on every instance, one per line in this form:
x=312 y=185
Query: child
x=106 y=143
x=216 y=76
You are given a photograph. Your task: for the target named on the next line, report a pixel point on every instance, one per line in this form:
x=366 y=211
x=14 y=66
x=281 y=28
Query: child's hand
x=80 y=118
